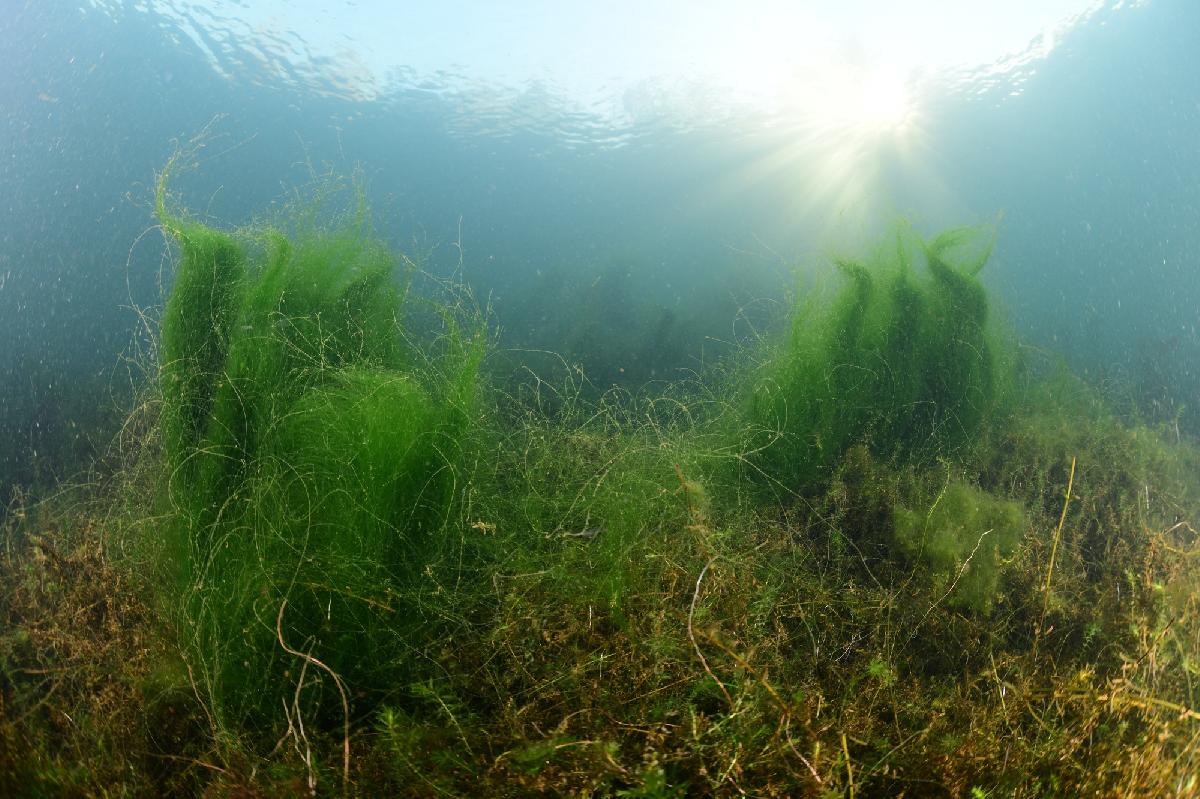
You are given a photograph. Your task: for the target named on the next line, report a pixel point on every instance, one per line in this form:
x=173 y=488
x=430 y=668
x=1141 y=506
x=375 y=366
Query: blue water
x=686 y=203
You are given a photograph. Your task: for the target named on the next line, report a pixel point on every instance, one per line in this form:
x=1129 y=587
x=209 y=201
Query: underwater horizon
x=379 y=378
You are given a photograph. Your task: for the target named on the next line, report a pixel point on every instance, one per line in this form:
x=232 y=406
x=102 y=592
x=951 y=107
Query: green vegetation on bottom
x=325 y=561
x=966 y=534
x=901 y=360
x=311 y=458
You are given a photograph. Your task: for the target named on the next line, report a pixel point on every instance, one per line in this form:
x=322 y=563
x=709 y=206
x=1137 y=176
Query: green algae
x=899 y=359
x=595 y=600
x=311 y=448
x=965 y=538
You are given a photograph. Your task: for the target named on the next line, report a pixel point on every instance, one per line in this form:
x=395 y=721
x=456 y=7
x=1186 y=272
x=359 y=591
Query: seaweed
x=906 y=365
x=311 y=451
x=965 y=580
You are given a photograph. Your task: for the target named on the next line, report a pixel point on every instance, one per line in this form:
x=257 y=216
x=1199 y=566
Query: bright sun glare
x=840 y=87
x=844 y=124
x=859 y=101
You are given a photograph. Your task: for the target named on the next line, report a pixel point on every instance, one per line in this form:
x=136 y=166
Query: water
x=843 y=531
x=636 y=179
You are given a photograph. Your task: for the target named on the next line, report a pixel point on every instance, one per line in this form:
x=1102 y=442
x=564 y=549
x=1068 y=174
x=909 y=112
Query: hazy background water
x=622 y=181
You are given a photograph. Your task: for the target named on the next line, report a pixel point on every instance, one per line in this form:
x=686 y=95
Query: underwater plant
x=543 y=595
x=964 y=537
x=311 y=448
x=902 y=362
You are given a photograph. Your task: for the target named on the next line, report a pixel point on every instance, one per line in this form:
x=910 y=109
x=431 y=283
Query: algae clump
x=964 y=539
x=899 y=359
x=312 y=449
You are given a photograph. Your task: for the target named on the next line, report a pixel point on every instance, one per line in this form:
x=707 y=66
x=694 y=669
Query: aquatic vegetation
x=964 y=536
x=901 y=361
x=385 y=581
x=311 y=456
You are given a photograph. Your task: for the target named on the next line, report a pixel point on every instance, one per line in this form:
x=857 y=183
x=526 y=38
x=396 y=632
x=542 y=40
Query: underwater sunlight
x=607 y=400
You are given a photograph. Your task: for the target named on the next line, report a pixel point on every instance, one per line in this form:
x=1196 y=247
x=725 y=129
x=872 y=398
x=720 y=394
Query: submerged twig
x=692 y=634
x=1053 y=554
x=337 y=681
x=849 y=768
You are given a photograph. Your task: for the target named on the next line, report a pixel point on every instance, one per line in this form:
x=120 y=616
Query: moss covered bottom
x=639 y=626
x=325 y=560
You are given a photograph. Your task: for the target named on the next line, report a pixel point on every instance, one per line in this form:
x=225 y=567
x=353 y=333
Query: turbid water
x=540 y=401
